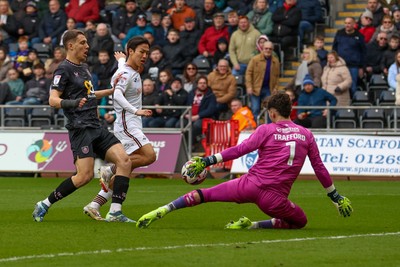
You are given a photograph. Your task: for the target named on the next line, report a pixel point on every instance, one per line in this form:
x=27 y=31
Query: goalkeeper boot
x=118 y=216
x=105 y=177
x=242 y=223
x=92 y=213
x=39 y=211
x=150 y=217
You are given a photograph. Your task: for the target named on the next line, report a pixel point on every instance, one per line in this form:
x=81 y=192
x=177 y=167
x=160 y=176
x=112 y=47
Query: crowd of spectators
x=236 y=38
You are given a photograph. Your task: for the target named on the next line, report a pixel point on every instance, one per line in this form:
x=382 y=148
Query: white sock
x=101 y=199
x=115 y=207
x=47 y=202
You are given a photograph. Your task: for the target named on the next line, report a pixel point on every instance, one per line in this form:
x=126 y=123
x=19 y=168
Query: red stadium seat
x=219 y=135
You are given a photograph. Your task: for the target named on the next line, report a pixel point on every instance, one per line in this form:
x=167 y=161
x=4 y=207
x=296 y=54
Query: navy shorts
x=91 y=142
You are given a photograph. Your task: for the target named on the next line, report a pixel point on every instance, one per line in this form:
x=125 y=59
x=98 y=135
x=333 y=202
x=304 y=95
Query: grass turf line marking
x=106 y=251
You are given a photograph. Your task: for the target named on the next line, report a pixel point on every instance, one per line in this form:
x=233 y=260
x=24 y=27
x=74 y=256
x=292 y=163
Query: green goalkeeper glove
x=199 y=164
x=342 y=203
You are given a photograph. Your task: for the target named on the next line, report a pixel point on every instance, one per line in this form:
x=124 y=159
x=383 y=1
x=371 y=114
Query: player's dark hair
x=135 y=42
x=70 y=36
x=281 y=102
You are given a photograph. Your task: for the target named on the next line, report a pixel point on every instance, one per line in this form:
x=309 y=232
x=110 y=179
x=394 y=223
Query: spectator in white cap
x=365 y=27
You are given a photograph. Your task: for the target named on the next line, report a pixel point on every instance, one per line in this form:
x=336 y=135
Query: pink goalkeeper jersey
x=282 y=150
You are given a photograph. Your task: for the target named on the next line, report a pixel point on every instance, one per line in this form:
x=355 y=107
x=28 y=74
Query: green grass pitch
x=196 y=236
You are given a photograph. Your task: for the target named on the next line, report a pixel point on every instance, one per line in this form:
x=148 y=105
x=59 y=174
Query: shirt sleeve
x=319 y=168
x=121 y=100
x=250 y=144
x=60 y=80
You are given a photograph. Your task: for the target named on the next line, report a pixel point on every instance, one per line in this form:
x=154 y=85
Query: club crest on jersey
x=76 y=74
x=56 y=79
x=85 y=149
x=123 y=81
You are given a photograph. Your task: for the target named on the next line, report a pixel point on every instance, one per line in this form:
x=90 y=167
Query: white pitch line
x=107 y=251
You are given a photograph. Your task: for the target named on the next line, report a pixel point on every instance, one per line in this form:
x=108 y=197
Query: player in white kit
x=127 y=128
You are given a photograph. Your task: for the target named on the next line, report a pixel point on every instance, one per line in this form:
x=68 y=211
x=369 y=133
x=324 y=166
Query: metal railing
x=185 y=128
x=331 y=117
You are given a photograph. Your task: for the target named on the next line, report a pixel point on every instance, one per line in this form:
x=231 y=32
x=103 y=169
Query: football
x=187 y=176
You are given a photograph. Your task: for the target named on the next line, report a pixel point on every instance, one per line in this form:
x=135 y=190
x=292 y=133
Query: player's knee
x=300 y=222
x=193 y=198
x=83 y=178
x=124 y=163
x=151 y=158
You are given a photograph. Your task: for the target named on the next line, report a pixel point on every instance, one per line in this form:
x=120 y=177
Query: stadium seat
x=203 y=65
x=217 y=136
x=14 y=117
x=360 y=98
x=13 y=47
x=59 y=118
x=43 y=50
x=386 y=98
x=239 y=80
x=40 y=116
x=118 y=47
x=392 y=120
x=373 y=118
x=345 y=118
x=376 y=84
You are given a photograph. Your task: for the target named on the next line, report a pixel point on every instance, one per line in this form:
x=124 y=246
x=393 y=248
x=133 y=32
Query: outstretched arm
x=342 y=203
x=56 y=101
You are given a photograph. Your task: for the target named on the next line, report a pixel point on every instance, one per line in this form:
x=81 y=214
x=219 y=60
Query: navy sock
x=265 y=224
x=66 y=188
x=121 y=185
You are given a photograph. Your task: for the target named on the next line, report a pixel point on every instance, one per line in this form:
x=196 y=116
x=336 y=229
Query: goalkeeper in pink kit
x=282 y=149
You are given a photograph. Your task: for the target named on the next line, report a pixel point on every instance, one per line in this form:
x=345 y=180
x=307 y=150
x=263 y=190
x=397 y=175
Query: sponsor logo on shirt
x=56 y=79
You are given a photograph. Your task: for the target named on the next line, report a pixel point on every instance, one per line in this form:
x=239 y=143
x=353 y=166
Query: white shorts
x=132 y=140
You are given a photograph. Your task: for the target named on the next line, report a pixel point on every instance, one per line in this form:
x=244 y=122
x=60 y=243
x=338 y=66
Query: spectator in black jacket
x=125 y=19
x=222 y=52
x=36 y=91
x=29 y=23
x=242 y=6
x=103 y=70
x=18 y=6
x=389 y=55
x=286 y=23
x=373 y=57
x=174 y=96
x=5 y=94
x=53 y=24
x=204 y=105
x=161 y=32
x=8 y=23
x=350 y=45
x=155 y=63
x=162 y=5
x=101 y=41
x=149 y=98
x=173 y=52
x=311 y=13
x=190 y=37
x=205 y=18
x=90 y=29
x=233 y=21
